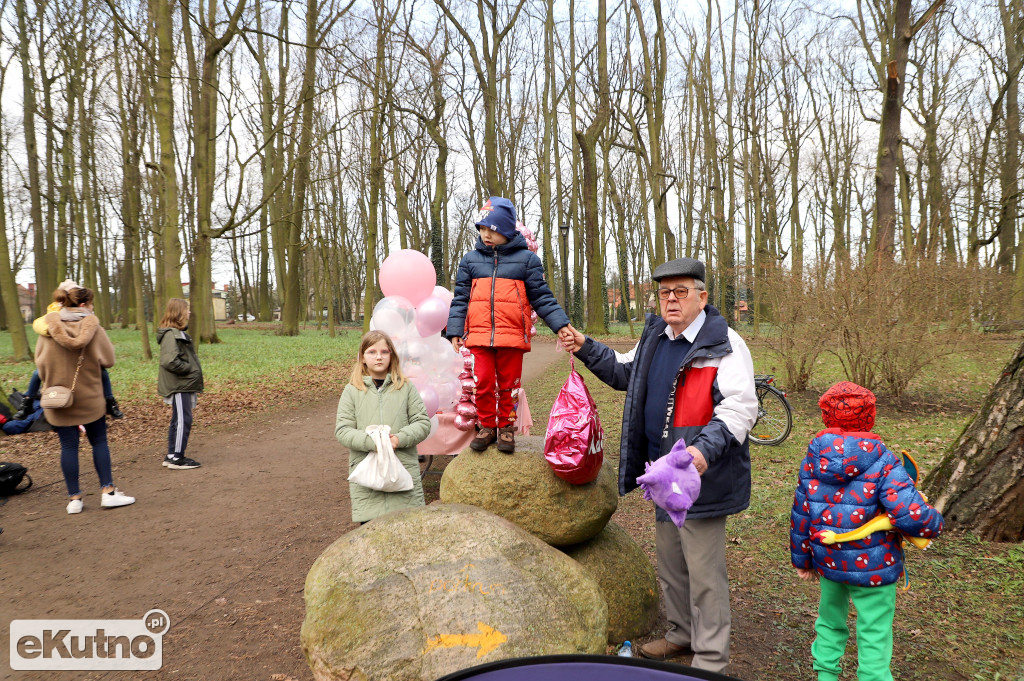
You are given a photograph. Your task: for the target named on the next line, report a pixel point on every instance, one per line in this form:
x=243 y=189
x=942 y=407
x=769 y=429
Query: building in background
x=27 y=301
x=219 y=298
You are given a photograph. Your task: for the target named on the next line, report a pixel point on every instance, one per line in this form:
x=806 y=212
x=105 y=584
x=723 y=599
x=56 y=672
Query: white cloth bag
x=381 y=470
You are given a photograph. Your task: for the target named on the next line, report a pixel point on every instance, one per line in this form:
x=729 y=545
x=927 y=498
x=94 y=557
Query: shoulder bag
x=59 y=396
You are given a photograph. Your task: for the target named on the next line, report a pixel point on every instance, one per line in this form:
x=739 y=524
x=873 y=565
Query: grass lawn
x=963 y=617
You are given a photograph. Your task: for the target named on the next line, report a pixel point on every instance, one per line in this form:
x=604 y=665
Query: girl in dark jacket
x=180 y=380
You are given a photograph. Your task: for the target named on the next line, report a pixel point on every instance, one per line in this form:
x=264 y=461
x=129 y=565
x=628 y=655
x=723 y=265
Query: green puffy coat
x=403 y=410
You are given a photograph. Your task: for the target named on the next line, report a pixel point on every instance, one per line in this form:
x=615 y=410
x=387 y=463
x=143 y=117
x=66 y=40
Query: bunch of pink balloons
x=413 y=313
x=531 y=243
x=531 y=240
x=465 y=411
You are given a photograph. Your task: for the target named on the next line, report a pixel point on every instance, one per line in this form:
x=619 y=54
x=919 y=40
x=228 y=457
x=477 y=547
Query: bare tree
x=493 y=32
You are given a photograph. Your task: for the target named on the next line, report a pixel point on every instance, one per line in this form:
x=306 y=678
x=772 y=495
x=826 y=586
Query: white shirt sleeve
x=627 y=357
x=738 y=408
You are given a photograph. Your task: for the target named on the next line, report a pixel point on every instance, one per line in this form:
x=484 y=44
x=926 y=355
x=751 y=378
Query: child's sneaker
x=181 y=463
x=75 y=506
x=116 y=498
x=113 y=409
x=24 y=412
x=484 y=439
x=507 y=439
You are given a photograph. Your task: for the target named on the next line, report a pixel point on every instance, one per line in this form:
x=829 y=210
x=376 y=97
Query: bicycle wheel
x=774 y=417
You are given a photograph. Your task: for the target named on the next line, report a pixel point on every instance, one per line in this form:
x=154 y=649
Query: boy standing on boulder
x=499 y=284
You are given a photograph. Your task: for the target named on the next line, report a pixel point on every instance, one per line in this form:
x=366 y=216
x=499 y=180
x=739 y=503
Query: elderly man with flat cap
x=690 y=377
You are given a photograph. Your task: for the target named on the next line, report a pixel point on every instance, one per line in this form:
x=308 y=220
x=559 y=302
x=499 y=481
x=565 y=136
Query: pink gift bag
x=574 y=443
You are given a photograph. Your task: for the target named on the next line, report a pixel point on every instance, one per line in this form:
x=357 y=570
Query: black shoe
x=114 y=410
x=181 y=463
x=24 y=412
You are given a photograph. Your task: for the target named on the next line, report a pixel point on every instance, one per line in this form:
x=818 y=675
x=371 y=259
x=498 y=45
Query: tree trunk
x=292 y=292
x=894 y=74
x=979 y=484
x=588 y=141
x=46 y=278
x=12 y=308
x=1012 y=14
x=163 y=116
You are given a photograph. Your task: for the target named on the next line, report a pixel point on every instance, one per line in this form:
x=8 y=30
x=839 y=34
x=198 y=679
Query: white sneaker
x=115 y=499
x=75 y=506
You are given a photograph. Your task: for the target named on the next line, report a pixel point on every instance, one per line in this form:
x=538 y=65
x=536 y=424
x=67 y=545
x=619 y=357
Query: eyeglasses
x=680 y=291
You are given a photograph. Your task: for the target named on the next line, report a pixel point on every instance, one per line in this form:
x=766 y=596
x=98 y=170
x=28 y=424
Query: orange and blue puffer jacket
x=496 y=290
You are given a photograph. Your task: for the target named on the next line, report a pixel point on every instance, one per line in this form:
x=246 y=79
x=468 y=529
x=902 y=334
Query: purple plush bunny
x=672 y=482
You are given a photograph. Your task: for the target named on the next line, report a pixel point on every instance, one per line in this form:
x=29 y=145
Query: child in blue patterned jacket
x=847 y=478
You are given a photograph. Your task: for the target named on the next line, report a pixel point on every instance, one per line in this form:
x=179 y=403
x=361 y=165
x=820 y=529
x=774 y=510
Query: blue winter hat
x=500 y=215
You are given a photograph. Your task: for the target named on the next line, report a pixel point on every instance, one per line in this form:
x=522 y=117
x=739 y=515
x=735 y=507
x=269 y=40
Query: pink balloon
x=464 y=423
x=417 y=377
x=431 y=316
x=443 y=293
x=468 y=384
x=465 y=409
x=388 y=321
x=430 y=400
x=409 y=274
x=447 y=397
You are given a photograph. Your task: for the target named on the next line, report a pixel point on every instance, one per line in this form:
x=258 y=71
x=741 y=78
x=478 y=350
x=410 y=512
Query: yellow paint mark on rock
x=487 y=640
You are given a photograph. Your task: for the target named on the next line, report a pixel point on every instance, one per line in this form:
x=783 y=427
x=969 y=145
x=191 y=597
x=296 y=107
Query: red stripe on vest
x=694 y=403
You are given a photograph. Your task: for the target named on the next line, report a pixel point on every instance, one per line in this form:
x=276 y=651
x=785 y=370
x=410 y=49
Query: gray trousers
x=692 y=572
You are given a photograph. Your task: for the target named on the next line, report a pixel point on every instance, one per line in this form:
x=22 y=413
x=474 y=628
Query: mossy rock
x=522 y=488
x=420 y=593
x=627 y=579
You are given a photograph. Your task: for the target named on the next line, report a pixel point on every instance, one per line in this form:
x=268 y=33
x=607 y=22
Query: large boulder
x=627 y=579
x=521 y=487
x=420 y=593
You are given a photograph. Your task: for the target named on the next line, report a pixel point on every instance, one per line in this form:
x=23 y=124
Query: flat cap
x=680 y=267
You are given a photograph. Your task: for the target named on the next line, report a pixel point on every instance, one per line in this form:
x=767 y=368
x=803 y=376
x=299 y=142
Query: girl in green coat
x=379 y=394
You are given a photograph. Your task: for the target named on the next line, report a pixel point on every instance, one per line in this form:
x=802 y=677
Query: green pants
x=875 y=608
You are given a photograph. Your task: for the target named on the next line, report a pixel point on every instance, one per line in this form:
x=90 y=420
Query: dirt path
x=224 y=550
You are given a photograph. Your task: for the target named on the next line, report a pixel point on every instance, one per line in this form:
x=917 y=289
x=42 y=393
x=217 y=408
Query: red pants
x=497 y=372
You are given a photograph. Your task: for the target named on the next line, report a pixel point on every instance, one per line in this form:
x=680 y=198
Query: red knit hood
x=848 y=406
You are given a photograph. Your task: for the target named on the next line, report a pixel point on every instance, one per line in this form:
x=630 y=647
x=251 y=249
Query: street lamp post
x=564 y=230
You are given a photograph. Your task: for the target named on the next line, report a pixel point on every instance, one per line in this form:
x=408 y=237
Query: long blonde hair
x=394 y=367
x=176 y=314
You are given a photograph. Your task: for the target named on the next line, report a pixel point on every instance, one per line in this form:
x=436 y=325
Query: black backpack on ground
x=11 y=476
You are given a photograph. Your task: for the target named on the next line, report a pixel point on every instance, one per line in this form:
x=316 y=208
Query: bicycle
x=774 y=415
